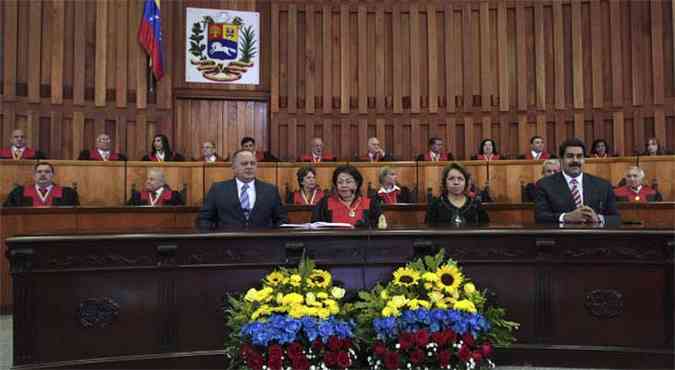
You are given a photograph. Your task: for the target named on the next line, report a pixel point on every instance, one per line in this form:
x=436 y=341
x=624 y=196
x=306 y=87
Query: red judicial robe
x=167 y=198
x=28 y=153
x=94 y=155
x=28 y=196
x=482 y=157
x=646 y=194
x=362 y=212
x=325 y=157
x=312 y=200
x=427 y=157
x=542 y=157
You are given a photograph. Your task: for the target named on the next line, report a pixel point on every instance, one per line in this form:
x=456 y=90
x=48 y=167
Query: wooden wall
x=468 y=70
x=400 y=70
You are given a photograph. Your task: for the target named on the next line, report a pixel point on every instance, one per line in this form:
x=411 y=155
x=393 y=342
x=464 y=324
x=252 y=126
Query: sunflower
x=406 y=277
x=319 y=279
x=275 y=278
x=449 y=278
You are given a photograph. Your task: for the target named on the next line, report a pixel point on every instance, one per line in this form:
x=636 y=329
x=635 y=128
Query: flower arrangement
x=295 y=321
x=430 y=316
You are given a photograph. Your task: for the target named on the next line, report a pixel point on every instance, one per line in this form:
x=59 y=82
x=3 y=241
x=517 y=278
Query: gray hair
x=548 y=162
x=641 y=172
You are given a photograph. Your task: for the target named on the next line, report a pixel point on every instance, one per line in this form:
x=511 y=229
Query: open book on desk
x=318 y=225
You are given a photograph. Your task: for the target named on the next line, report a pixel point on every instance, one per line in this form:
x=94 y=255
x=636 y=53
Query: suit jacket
x=27 y=197
x=554 y=198
x=222 y=208
x=94 y=155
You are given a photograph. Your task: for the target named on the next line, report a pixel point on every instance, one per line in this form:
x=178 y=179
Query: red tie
x=578 y=202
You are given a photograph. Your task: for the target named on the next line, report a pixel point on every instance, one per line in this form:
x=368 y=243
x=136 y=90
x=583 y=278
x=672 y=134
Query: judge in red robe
x=43 y=192
x=375 y=153
x=537 y=151
x=635 y=191
x=347 y=205
x=102 y=151
x=248 y=143
x=390 y=191
x=435 y=152
x=310 y=193
x=18 y=149
x=161 y=151
x=317 y=155
x=156 y=192
x=487 y=151
x=209 y=154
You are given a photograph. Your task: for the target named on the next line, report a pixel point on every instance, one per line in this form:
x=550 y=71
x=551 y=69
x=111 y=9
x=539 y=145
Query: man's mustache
x=575 y=164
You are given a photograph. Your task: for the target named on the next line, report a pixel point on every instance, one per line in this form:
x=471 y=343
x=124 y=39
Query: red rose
x=245 y=349
x=346 y=343
x=464 y=353
x=330 y=358
x=294 y=350
x=343 y=360
x=443 y=358
x=379 y=349
x=300 y=363
x=391 y=360
x=406 y=340
x=477 y=356
x=468 y=339
x=254 y=361
x=317 y=345
x=439 y=338
x=416 y=356
x=275 y=352
x=486 y=348
x=334 y=343
x=450 y=335
x=422 y=338
x=274 y=363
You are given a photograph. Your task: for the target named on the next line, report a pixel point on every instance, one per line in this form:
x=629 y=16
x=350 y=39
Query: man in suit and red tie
x=102 y=151
x=242 y=201
x=572 y=196
x=317 y=155
x=435 y=152
x=537 y=151
x=156 y=192
x=18 y=149
x=43 y=192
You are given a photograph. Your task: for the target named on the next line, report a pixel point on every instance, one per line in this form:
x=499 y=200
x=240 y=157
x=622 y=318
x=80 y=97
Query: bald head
x=317 y=146
x=103 y=142
x=155 y=179
x=18 y=139
x=374 y=145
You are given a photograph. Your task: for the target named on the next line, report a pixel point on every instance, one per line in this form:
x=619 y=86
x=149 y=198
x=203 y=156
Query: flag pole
x=151 y=76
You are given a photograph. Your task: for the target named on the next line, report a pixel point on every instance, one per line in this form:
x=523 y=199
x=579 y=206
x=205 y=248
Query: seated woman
x=161 y=151
x=390 y=192
x=634 y=190
x=309 y=193
x=600 y=149
x=454 y=206
x=487 y=151
x=347 y=204
x=653 y=147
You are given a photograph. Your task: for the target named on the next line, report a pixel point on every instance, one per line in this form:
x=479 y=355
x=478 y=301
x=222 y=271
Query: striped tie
x=243 y=198
x=578 y=202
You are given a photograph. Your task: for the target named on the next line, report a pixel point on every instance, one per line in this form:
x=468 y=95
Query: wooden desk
x=584 y=297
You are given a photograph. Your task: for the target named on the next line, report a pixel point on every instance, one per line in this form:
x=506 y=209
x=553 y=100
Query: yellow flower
x=436 y=296
x=390 y=311
x=323 y=313
x=265 y=294
x=292 y=299
x=297 y=311
x=280 y=298
x=384 y=294
x=261 y=311
x=275 y=278
x=469 y=288
x=310 y=298
x=441 y=305
x=295 y=280
x=332 y=306
x=337 y=292
x=322 y=295
x=250 y=295
x=413 y=304
x=465 y=305
x=423 y=303
x=449 y=278
x=398 y=301
x=406 y=277
x=430 y=276
x=319 y=279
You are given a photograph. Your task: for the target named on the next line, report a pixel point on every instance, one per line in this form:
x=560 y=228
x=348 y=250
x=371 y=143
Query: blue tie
x=243 y=198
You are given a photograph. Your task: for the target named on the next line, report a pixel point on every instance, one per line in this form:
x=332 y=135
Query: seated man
x=102 y=151
x=43 y=192
x=18 y=149
x=549 y=167
x=537 y=151
x=209 y=153
x=317 y=155
x=242 y=201
x=634 y=190
x=375 y=152
x=156 y=192
x=572 y=196
x=248 y=143
x=435 y=154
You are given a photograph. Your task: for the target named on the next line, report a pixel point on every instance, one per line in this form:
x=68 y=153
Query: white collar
x=15 y=148
x=535 y=154
x=386 y=191
x=240 y=184
x=211 y=158
x=636 y=191
x=568 y=179
x=160 y=155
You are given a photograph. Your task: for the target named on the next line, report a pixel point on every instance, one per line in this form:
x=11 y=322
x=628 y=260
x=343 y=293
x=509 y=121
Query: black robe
x=27 y=197
x=441 y=212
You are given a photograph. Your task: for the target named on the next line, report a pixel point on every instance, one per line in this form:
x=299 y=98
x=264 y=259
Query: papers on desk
x=318 y=225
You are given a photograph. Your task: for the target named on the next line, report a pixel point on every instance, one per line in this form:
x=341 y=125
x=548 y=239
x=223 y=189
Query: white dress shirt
x=250 y=191
x=535 y=155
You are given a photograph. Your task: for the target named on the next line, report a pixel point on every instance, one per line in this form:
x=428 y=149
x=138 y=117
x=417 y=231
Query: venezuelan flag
x=150 y=37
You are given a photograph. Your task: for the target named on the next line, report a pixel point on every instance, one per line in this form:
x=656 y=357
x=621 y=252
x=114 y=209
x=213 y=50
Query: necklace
x=352 y=210
x=311 y=201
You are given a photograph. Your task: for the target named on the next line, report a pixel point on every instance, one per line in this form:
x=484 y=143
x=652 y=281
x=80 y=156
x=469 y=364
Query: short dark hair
x=38 y=164
x=494 y=146
x=571 y=142
x=433 y=140
x=535 y=137
x=598 y=141
x=246 y=139
x=350 y=170
x=304 y=171
x=454 y=166
x=165 y=144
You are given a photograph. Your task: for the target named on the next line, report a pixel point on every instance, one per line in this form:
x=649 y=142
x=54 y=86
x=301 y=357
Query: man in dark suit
x=43 y=192
x=572 y=196
x=243 y=201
